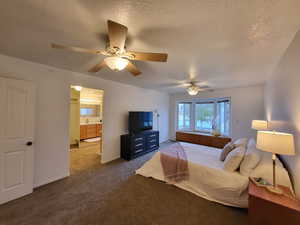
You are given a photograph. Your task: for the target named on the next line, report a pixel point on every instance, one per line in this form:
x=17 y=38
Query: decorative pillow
x=227 y=148
x=241 y=142
x=250 y=161
x=234 y=159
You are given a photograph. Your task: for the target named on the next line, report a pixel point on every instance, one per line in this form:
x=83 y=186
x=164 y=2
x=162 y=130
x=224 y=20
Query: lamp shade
x=259 y=124
x=275 y=142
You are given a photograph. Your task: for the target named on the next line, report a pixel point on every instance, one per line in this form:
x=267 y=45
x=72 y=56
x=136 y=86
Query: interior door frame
x=103 y=99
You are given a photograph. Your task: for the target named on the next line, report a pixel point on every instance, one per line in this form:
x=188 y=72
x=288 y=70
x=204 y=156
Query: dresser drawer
x=152 y=141
x=152 y=146
x=138 y=145
x=137 y=139
x=152 y=136
x=138 y=150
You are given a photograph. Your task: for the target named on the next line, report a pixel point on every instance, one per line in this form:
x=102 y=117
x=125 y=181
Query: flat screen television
x=140 y=121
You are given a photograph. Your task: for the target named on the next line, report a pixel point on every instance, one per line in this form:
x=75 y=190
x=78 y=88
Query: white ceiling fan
x=193 y=89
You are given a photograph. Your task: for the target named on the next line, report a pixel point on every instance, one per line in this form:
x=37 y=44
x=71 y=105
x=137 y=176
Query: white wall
x=52 y=113
x=282 y=102
x=247 y=103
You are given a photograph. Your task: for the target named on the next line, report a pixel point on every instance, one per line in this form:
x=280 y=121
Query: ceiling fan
x=192 y=87
x=118 y=58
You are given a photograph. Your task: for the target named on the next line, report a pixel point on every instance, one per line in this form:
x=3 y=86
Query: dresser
x=202 y=139
x=134 y=145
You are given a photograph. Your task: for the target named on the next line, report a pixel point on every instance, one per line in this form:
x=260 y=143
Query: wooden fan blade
x=147 y=56
x=133 y=69
x=97 y=67
x=117 y=34
x=77 y=49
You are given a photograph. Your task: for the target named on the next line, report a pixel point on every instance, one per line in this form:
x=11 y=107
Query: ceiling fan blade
x=117 y=34
x=97 y=67
x=77 y=49
x=133 y=69
x=205 y=89
x=147 y=56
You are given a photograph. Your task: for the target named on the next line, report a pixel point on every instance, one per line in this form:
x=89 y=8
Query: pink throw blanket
x=174 y=163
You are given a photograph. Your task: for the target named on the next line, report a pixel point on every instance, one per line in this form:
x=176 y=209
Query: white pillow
x=265 y=170
x=250 y=161
x=234 y=159
x=241 y=142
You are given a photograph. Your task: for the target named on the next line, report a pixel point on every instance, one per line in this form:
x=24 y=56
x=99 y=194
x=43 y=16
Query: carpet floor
x=111 y=194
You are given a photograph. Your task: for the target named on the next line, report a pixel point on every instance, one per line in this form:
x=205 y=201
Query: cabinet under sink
x=90 y=131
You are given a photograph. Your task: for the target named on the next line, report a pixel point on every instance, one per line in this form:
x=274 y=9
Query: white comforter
x=207 y=178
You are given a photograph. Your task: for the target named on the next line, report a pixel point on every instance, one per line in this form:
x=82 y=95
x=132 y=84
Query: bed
x=209 y=180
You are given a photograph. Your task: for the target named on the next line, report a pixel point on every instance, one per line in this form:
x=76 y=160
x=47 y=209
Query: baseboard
x=112 y=159
x=50 y=180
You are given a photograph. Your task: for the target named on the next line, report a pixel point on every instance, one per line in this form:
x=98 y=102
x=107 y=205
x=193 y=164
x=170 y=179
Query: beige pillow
x=241 y=142
x=251 y=159
x=234 y=159
x=227 y=148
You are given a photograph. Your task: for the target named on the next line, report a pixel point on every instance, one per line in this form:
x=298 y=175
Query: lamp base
x=275 y=190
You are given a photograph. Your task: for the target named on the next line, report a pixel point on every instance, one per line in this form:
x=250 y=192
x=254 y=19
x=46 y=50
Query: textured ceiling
x=222 y=43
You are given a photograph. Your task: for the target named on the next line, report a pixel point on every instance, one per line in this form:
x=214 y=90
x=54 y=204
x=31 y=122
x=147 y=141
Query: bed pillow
x=227 y=148
x=234 y=159
x=250 y=161
x=241 y=142
x=264 y=169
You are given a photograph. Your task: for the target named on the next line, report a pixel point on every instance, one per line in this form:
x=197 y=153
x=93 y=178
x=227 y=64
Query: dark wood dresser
x=266 y=208
x=134 y=145
x=202 y=139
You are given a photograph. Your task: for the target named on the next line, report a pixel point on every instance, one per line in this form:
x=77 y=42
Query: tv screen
x=140 y=121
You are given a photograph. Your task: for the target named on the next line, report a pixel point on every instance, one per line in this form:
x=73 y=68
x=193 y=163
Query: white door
x=17 y=104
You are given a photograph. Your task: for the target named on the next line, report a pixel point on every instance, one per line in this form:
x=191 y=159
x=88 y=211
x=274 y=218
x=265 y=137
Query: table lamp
x=259 y=125
x=276 y=143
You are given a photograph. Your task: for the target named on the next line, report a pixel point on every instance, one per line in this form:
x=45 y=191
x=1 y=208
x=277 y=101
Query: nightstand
x=266 y=208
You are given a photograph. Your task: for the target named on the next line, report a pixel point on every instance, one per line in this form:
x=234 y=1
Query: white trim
x=50 y=180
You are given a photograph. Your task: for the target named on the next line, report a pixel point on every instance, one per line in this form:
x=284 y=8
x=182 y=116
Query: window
x=223 y=116
x=204 y=115
x=184 y=116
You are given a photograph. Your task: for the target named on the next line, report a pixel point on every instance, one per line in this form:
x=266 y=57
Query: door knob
x=29 y=143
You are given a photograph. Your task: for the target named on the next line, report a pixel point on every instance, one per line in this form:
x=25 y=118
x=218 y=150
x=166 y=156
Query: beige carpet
x=112 y=194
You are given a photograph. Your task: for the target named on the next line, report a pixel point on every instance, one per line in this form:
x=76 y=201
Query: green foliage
x=204 y=112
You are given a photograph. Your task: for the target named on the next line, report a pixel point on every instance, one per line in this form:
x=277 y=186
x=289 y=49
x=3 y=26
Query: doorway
x=86 y=119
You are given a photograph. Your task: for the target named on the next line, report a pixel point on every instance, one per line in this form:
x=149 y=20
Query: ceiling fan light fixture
x=116 y=63
x=193 y=90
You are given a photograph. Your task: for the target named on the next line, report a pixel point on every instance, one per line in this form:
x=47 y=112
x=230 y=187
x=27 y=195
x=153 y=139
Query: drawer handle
x=138 y=145
x=152 y=140
x=137 y=139
x=153 y=135
x=152 y=146
x=137 y=151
